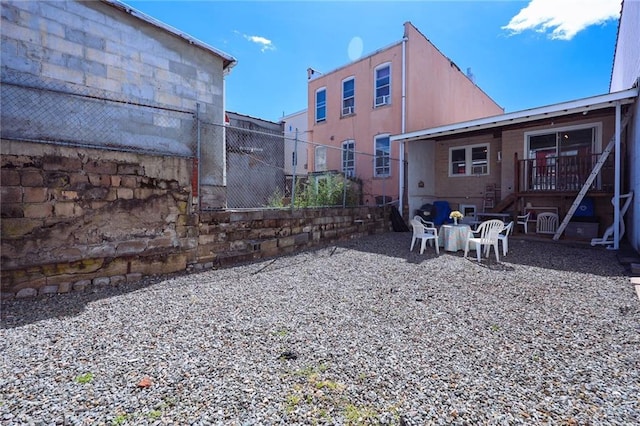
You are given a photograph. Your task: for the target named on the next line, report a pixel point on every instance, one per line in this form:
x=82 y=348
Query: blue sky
x=523 y=54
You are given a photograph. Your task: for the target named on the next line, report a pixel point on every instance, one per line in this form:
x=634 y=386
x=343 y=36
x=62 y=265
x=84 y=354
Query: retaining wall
x=75 y=218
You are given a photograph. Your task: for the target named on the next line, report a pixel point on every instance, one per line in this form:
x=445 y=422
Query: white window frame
x=318 y=106
x=349 y=166
x=469 y=167
x=320 y=159
x=349 y=109
x=382 y=100
x=375 y=157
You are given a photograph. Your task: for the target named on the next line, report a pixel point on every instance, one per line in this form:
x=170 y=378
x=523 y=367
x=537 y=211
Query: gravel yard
x=362 y=332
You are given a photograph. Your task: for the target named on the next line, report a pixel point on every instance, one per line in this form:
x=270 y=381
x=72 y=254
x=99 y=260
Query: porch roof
x=555 y=110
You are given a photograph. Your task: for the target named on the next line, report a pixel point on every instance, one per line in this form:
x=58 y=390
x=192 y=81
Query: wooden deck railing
x=561 y=174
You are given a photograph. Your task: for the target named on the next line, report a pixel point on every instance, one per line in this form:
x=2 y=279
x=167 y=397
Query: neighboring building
x=296 y=146
x=255 y=161
x=406 y=86
x=625 y=74
x=149 y=76
x=100 y=106
x=296 y=143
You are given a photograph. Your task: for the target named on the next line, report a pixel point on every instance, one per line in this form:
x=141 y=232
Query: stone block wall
x=227 y=237
x=75 y=218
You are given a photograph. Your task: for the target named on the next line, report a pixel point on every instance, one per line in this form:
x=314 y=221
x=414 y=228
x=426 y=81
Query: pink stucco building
x=400 y=88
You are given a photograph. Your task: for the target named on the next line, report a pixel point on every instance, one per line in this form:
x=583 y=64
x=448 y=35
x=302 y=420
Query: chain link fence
x=273 y=169
x=262 y=166
x=52 y=112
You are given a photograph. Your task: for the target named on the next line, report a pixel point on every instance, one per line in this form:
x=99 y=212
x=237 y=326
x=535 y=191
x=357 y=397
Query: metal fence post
x=198 y=151
x=293 y=176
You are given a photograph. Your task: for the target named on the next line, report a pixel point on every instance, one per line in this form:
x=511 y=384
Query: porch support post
x=401 y=187
x=616 y=187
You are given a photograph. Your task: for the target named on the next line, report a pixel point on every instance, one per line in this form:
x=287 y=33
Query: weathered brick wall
x=75 y=218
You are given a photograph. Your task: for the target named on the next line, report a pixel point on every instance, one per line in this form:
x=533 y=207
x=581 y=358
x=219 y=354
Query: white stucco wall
x=297 y=121
x=420 y=154
x=626 y=71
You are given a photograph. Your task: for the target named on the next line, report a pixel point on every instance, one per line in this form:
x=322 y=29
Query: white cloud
x=265 y=43
x=563 y=18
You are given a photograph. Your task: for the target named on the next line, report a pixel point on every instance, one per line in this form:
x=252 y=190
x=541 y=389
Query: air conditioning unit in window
x=478 y=170
x=382 y=100
x=347 y=110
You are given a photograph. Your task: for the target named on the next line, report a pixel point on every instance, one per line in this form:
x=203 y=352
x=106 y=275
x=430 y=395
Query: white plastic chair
x=504 y=237
x=522 y=220
x=487 y=232
x=547 y=223
x=424 y=234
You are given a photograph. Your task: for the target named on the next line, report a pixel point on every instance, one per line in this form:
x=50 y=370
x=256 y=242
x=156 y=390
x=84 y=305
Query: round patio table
x=453 y=237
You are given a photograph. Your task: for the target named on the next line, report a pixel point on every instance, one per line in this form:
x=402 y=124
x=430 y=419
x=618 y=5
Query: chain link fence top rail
x=38 y=110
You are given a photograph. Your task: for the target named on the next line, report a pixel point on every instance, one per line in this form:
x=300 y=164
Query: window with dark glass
x=382 y=157
x=479 y=164
x=469 y=160
x=348 y=96
x=383 y=85
x=458 y=162
x=321 y=105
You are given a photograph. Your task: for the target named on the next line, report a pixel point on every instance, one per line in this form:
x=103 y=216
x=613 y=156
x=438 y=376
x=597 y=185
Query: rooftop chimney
x=471 y=76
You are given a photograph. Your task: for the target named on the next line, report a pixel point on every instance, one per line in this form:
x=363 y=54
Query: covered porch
x=552 y=157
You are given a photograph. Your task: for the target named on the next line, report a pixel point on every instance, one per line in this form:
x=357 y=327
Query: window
x=382 y=157
x=469 y=160
x=383 y=85
x=349 y=158
x=321 y=159
x=568 y=142
x=561 y=159
x=294 y=159
x=321 y=105
x=468 y=210
x=348 y=96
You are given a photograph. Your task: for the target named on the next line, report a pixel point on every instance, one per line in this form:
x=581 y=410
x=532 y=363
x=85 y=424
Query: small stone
x=288 y=355
x=26 y=292
x=145 y=382
x=101 y=281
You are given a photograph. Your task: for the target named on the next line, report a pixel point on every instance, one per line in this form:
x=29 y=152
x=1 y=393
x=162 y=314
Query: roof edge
x=363 y=58
x=228 y=60
x=570 y=107
x=615 y=48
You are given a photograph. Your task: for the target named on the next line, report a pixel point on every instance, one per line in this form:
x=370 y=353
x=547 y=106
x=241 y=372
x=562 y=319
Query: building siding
x=98 y=49
x=626 y=72
x=436 y=93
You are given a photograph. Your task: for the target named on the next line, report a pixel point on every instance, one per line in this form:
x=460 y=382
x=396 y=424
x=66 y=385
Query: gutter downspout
x=403 y=124
x=616 y=187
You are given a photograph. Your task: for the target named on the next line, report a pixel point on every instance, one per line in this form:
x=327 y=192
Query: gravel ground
x=362 y=332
